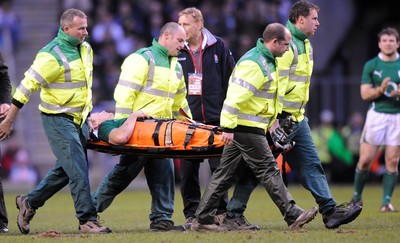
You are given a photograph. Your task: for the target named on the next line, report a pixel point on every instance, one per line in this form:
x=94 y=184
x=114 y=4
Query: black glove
x=280 y=134
x=287 y=124
x=280 y=139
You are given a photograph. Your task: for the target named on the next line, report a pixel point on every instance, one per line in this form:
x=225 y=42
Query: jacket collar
x=295 y=31
x=67 y=38
x=263 y=50
x=160 y=48
x=208 y=39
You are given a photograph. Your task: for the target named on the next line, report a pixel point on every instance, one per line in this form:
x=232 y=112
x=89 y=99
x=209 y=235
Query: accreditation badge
x=194 y=83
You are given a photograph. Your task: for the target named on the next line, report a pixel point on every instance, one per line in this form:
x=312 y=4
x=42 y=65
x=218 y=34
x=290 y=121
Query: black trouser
x=252 y=149
x=3 y=211
x=190 y=186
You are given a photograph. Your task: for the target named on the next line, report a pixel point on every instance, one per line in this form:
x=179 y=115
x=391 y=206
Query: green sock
x=360 y=178
x=388 y=182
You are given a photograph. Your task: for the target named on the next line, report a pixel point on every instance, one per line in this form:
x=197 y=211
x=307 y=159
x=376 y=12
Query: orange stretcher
x=167 y=138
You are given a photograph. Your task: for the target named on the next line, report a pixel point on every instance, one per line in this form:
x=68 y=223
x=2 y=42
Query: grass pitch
x=128 y=218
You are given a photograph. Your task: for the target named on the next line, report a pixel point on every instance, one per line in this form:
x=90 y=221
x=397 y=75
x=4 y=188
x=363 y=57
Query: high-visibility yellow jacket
x=63 y=70
x=252 y=98
x=153 y=82
x=295 y=69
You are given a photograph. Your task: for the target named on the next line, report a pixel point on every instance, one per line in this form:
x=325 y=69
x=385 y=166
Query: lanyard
x=197 y=58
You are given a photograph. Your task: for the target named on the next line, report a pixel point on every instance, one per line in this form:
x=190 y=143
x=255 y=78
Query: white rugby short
x=381 y=129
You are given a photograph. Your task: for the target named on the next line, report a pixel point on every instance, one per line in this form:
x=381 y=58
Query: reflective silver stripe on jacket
x=89 y=49
x=37 y=76
x=263 y=93
x=249 y=86
x=126 y=111
x=265 y=64
x=44 y=84
x=179 y=75
x=141 y=88
x=161 y=93
x=297 y=78
x=152 y=67
x=24 y=90
x=311 y=57
x=67 y=68
x=250 y=117
x=294 y=105
x=150 y=78
x=68 y=85
x=293 y=67
x=283 y=72
x=130 y=85
x=244 y=116
x=230 y=109
x=280 y=98
x=244 y=84
x=60 y=109
x=292 y=71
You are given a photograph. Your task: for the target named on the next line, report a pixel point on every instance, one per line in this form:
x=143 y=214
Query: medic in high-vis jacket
x=252 y=101
x=151 y=81
x=295 y=69
x=63 y=70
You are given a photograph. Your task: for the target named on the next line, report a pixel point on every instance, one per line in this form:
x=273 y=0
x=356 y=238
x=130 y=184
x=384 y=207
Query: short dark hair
x=67 y=18
x=274 y=30
x=389 y=31
x=301 y=8
x=170 y=27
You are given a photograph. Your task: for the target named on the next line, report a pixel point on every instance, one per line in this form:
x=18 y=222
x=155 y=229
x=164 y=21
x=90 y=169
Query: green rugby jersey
x=375 y=70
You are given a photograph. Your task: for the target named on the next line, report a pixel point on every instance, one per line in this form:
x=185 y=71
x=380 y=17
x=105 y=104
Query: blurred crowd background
x=345 y=40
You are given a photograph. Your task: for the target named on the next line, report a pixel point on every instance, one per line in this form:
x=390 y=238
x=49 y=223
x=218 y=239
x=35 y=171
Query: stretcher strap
x=284 y=174
x=93 y=137
x=156 y=132
x=168 y=134
x=211 y=138
x=189 y=134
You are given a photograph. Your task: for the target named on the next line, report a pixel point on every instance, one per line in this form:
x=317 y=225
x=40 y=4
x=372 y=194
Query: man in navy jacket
x=207 y=64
